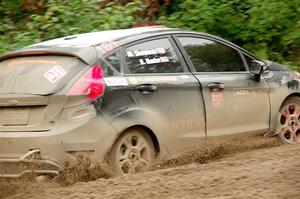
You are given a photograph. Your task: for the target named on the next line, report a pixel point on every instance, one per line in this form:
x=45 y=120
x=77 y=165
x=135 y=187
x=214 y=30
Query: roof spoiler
x=86 y=54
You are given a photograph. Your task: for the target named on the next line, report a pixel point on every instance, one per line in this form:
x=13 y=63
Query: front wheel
x=289 y=121
x=132 y=152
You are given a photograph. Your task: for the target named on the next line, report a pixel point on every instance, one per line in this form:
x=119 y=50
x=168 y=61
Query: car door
x=164 y=89
x=234 y=101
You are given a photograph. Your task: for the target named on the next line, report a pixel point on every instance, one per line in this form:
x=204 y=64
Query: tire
x=132 y=152
x=288 y=127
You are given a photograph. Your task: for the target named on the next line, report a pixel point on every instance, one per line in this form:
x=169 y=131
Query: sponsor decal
x=291 y=80
x=28 y=61
x=152 y=79
x=154 y=60
x=142 y=55
x=138 y=53
x=242 y=92
x=116 y=81
x=55 y=73
x=243 y=97
x=188 y=123
x=133 y=80
x=289 y=77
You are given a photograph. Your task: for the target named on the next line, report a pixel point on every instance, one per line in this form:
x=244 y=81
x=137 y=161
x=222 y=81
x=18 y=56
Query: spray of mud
x=83 y=170
x=80 y=169
x=211 y=149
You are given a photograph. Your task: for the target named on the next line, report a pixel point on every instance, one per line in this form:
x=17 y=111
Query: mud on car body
x=127 y=95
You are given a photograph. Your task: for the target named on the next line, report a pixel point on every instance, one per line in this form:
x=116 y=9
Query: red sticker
x=55 y=73
x=106 y=47
x=217 y=99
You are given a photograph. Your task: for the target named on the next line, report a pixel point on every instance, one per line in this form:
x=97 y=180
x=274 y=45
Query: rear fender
x=135 y=116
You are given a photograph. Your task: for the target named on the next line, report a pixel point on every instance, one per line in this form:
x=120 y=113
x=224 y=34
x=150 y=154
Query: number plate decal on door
x=217 y=99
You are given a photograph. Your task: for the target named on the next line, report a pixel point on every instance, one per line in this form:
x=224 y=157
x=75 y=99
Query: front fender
x=282 y=85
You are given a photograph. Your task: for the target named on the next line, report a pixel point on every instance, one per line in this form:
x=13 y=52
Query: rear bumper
x=30 y=163
x=45 y=152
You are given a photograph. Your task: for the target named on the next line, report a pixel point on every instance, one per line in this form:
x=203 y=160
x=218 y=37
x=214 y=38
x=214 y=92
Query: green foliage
x=60 y=18
x=270 y=28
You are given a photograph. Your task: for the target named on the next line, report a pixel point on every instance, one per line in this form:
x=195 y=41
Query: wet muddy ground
x=239 y=168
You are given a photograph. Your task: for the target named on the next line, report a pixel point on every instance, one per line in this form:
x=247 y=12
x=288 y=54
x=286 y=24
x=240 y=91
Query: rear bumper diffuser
x=30 y=163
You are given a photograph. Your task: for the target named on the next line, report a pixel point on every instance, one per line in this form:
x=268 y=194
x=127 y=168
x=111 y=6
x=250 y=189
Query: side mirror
x=257 y=68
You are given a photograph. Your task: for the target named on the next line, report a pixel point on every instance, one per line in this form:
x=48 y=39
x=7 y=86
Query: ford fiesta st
x=128 y=95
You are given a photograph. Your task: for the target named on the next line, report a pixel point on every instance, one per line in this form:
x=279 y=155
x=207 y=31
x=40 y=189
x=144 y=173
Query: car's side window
x=154 y=56
x=112 y=65
x=114 y=60
x=211 y=56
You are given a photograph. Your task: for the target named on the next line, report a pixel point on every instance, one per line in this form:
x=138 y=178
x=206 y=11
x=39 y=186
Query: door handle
x=216 y=86
x=146 y=88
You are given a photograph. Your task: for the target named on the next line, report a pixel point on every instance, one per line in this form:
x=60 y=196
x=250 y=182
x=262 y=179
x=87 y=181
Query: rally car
x=126 y=96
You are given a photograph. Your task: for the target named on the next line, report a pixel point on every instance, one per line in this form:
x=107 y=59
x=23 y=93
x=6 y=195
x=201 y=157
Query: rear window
x=41 y=75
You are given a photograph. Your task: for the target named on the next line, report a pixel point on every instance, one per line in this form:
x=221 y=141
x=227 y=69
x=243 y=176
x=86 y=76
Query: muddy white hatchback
x=126 y=96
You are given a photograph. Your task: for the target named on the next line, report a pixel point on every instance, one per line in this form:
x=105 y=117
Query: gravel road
x=271 y=172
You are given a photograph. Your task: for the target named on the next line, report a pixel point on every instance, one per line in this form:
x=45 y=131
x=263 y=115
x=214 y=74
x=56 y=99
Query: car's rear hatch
x=30 y=97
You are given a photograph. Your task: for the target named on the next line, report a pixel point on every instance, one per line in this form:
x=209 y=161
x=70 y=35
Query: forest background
x=268 y=28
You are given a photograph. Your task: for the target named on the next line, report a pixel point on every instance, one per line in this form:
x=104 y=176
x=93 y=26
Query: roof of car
x=86 y=46
x=94 y=38
x=81 y=45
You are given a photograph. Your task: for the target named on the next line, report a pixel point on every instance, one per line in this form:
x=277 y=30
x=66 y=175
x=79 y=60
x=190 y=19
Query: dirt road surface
x=272 y=173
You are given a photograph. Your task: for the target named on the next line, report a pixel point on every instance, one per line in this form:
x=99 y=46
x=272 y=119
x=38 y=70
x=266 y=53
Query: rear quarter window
x=112 y=64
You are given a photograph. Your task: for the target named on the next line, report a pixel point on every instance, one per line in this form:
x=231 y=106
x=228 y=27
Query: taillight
x=91 y=84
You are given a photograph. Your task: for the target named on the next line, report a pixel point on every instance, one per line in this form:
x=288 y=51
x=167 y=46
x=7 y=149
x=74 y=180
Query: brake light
x=91 y=84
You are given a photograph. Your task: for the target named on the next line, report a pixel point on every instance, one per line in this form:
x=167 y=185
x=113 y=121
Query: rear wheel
x=289 y=121
x=132 y=152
